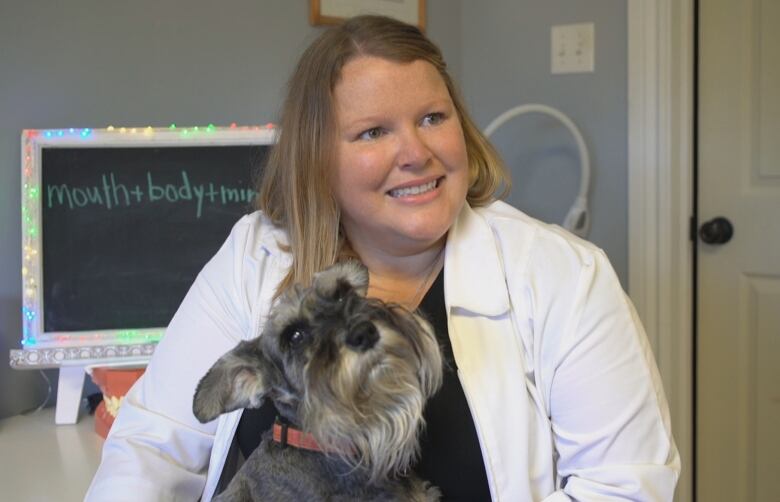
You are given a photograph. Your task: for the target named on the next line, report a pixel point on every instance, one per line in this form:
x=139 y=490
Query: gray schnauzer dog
x=351 y=372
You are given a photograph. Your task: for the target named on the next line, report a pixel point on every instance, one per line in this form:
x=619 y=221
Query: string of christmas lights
x=33 y=140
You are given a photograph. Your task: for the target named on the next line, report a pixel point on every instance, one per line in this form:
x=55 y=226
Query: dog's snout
x=362 y=336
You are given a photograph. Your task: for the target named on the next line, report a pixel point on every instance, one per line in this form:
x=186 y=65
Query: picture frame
x=330 y=12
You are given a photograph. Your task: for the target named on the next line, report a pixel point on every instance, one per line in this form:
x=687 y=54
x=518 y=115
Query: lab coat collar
x=273 y=241
x=473 y=267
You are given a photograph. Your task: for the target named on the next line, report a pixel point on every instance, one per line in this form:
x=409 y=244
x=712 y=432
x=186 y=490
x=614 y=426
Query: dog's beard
x=368 y=409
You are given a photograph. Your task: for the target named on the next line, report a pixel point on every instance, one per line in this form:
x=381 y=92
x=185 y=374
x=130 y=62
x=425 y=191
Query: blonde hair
x=295 y=189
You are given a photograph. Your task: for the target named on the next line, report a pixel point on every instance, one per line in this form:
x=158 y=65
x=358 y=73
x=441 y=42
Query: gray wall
x=87 y=63
x=506 y=62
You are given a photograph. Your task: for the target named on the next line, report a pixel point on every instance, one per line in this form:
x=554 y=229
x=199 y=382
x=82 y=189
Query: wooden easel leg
x=69 y=390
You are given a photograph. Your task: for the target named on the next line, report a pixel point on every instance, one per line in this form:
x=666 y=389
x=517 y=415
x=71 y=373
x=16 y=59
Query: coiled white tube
x=577 y=219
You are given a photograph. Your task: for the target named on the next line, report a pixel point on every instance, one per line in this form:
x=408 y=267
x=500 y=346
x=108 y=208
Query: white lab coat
x=563 y=389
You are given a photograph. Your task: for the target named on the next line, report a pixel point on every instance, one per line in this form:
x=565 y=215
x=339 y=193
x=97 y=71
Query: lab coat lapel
x=473 y=267
x=488 y=354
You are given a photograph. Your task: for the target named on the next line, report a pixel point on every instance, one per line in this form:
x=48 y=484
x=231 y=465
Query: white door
x=738 y=353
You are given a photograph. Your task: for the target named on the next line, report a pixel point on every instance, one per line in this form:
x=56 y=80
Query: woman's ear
x=237 y=380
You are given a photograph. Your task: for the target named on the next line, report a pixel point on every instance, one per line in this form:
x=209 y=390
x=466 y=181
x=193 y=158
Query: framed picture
x=335 y=11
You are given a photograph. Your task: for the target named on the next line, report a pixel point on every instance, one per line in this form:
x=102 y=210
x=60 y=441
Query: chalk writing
x=109 y=193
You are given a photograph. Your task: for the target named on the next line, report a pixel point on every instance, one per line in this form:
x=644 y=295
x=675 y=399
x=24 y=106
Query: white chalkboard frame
x=72 y=352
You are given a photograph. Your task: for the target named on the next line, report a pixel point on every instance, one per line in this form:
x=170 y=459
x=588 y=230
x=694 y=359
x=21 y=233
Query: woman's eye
x=373 y=133
x=433 y=118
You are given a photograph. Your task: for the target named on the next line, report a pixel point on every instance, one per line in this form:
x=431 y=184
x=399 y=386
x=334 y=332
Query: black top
x=450 y=456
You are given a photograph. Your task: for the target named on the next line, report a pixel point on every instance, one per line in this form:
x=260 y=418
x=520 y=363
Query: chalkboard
x=116 y=225
x=126 y=230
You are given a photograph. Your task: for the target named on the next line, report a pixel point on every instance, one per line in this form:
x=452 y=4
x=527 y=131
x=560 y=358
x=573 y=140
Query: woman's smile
x=410 y=191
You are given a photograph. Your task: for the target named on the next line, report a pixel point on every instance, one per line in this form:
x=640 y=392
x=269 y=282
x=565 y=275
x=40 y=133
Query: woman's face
x=401 y=172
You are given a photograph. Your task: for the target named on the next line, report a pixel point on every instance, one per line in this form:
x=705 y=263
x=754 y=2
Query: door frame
x=661 y=42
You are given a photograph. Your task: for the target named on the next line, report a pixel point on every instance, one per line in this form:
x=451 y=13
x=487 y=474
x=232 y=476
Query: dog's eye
x=295 y=335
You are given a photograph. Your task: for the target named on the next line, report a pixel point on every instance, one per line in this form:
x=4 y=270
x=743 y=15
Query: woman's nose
x=413 y=150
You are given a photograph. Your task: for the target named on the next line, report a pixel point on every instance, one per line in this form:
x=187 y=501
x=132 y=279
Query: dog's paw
x=432 y=493
x=423 y=491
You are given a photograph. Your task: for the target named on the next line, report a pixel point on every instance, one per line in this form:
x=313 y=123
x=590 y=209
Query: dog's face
x=353 y=371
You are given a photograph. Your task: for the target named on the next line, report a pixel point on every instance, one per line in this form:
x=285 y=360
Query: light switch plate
x=572 y=48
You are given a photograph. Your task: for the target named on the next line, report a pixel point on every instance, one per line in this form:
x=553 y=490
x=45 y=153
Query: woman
x=551 y=392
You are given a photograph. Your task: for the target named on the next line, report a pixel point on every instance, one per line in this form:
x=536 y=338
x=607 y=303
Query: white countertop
x=41 y=461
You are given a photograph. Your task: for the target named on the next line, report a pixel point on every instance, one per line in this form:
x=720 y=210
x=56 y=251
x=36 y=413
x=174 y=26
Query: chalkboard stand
x=69 y=390
x=74 y=364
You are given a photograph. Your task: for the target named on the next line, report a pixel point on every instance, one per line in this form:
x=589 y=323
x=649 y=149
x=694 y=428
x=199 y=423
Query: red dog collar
x=287 y=435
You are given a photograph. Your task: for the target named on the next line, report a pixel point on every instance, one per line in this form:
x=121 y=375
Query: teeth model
x=402 y=192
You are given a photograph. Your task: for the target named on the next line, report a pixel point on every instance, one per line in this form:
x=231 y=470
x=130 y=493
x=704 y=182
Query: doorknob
x=716 y=231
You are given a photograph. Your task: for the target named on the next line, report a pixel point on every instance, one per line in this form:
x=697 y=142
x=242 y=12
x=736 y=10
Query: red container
x=114 y=383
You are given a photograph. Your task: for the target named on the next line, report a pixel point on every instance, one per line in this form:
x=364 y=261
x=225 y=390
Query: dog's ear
x=337 y=279
x=239 y=379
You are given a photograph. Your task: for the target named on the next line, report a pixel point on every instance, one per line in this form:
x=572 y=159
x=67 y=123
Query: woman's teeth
x=416 y=190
